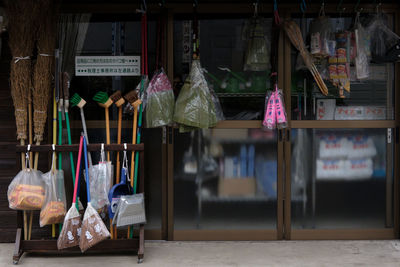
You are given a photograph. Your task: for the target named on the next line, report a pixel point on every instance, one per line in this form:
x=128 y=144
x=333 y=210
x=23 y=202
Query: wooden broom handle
x=107 y=131
x=118 y=172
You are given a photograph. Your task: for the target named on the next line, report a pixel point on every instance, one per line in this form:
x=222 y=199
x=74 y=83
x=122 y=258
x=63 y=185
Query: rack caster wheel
x=140 y=260
x=15 y=262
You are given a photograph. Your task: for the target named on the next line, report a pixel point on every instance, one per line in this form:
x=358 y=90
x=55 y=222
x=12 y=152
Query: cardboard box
x=230 y=134
x=244 y=186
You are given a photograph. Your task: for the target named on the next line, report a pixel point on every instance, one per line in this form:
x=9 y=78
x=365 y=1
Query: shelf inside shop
x=261 y=198
x=240 y=94
x=245 y=141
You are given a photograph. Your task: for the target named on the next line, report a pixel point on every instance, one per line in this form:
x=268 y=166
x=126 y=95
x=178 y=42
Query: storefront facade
x=299 y=185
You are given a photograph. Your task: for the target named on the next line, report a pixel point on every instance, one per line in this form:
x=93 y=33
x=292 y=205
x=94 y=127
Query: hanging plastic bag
x=362 y=50
x=269 y=116
x=383 y=40
x=194 y=107
x=255 y=32
x=100 y=182
x=160 y=101
x=26 y=191
x=280 y=111
x=71 y=230
x=54 y=207
x=321 y=31
x=93 y=229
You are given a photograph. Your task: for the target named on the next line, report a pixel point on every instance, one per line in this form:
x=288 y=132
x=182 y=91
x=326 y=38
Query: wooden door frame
x=353 y=233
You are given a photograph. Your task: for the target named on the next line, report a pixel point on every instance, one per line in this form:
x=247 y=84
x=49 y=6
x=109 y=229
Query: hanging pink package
x=270 y=116
x=281 y=118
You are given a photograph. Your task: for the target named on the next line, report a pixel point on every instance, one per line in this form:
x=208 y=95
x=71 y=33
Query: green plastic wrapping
x=160 y=101
x=194 y=107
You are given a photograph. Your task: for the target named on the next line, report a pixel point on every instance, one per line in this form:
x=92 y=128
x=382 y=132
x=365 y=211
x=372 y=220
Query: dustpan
x=71 y=230
x=118 y=190
x=93 y=228
x=130 y=208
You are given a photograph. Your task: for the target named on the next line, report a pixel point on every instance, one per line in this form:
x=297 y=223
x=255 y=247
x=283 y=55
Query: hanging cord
x=322 y=10
x=276 y=13
x=274 y=45
x=195 y=30
x=303 y=6
x=160 y=42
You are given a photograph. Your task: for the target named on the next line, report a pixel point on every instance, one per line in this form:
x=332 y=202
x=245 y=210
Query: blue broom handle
x=86 y=169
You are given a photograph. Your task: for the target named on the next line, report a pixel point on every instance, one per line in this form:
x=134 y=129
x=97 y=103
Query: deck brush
x=102 y=99
x=117 y=98
x=79 y=102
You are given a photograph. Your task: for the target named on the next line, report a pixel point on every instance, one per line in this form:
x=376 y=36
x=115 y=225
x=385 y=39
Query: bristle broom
x=117 y=98
x=131 y=96
x=76 y=100
x=102 y=99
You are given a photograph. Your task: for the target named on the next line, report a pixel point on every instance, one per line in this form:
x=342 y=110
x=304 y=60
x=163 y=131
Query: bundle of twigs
x=21 y=15
x=43 y=71
x=293 y=32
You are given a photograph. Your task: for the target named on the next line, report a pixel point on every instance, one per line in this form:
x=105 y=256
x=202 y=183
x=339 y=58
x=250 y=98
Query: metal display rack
x=135 y=244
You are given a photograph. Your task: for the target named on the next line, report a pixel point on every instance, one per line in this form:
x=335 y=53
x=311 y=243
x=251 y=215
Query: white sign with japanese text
x=107 y=65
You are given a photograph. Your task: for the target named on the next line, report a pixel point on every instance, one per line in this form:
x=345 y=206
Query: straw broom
x=21 y=15
x=293 y=32
x=42 y=77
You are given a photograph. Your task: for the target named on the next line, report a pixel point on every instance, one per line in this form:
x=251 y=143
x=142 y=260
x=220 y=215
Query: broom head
x=102 y=99
x=71 y=230
x=76 y=100
x=117 y=98
x=93 y=229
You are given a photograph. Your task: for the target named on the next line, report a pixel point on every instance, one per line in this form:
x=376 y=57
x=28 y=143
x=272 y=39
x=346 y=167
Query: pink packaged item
x=280 y=110
x=270 y=116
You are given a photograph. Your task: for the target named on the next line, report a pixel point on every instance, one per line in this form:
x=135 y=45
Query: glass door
x=340 y=150
x=226 y=180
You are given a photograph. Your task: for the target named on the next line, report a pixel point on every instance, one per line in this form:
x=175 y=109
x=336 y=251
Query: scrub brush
x=78 y=101
x=104 y=101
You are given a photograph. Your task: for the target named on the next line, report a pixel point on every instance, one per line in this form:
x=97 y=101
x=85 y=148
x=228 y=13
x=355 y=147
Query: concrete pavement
x=274 y=253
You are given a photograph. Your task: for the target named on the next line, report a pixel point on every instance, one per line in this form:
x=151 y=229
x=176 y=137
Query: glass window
x=239 y=83
x=344 y=181
x=225 y=179
x=370 y=98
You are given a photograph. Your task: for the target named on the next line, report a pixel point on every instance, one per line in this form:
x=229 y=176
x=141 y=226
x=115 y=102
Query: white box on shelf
x=350 y=113
x=326 y=109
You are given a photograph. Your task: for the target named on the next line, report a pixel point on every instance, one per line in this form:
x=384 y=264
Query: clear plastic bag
x=280 y=111
x=256 y=33
x=362 y=50
x=269 y=116
x=26 y=191
x=322 y=37
x=54 y=207
x=194 y=107
x=382 y=38
x=160 y=101
x=100 y=182
x=93 y=229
